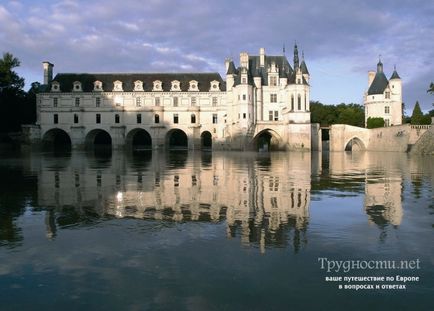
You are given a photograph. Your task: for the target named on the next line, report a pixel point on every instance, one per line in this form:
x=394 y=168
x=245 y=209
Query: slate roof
x=255 y=70
x=303 y=68
x=87 y=80
x=394 y=75
x=379 y=84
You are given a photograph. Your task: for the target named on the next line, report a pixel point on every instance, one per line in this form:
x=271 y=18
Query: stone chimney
x=371 y=76
x=48 y=72
x=262 y=57
x=244 y=60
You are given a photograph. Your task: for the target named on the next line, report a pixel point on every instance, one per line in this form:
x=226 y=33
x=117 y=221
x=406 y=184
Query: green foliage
x=351 y=114
x=417 y=115
x=431 y=113
x=18 y=107
x=431 y=88
x=374 y=123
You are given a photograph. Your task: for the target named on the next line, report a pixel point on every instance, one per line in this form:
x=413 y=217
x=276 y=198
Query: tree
x=417 y=115
x=374 y=123
x=11 y=94
x=431 y=88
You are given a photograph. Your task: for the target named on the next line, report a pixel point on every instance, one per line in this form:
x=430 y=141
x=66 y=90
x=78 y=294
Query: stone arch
x=56 y=138
x=98 y=138
x=139 y=139
x=176 y=139
x=266 y=140
x=206 y=140
x=355 y=144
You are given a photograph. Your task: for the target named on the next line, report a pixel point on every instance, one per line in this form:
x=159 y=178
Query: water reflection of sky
x=166 y=221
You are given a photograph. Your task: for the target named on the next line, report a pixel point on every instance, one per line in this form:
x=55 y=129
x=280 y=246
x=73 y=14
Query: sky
x=341 y=40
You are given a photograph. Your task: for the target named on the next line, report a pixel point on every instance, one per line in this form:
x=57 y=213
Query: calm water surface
x=212 y=231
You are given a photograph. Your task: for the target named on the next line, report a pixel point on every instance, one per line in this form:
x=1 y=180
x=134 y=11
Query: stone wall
x=425 y=145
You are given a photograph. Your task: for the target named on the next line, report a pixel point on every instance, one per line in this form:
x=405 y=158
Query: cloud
x=195 y=35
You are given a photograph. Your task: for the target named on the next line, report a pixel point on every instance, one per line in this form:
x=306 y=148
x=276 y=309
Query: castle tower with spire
x=383 y=99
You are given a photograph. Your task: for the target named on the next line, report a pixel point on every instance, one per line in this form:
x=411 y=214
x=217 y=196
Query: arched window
x=299 y=102
x=193 y=118
x=117 y=118
x=157 y=118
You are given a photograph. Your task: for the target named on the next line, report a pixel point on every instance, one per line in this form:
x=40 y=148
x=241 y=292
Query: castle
x=263 y=104
x=383 y=98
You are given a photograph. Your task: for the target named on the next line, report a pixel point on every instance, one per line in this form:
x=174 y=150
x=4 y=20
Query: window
x=214 y=118
x=214 y=101
x=276 y=115
x=193 y=118
x=97 y=101
x=244 y=81
x=270 y=115
x=139 y=118
x=175 y=118
x=55 y=118
x=138 y=101
x=386 y=122
x=117 y=119
x=387 y=109
x=273 y=98
x=244 y=96
x=298 y=81
x=77 y=102
x=273 y=81
x=55 y=100
x=292 y=102
x=175 y=101
x=193 y=101
x=75 y=118
x=244 y=115
x=157 y=101
x=299 y=102
x=157 y=118
x=98 y=118
x=387 y=95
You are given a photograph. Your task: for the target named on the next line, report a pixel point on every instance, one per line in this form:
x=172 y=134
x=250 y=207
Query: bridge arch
x=206 y=140
x=176 y=139
x=98 y=138
x=56 y=138
x=355 y=144
x=266 y=140
x=138 y=138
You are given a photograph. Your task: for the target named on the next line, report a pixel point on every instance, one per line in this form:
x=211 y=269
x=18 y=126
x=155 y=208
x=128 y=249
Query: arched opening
x=176 y=139
x=206 y=140
x=98 y=139
x=57 y=139
x=139 y=139
x=265 y=141
x=355 y=144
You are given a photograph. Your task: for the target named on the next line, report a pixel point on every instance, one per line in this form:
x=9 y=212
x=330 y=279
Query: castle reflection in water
x=262 y=198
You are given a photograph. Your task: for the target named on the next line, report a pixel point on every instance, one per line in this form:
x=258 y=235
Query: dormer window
x=157 y=85
x=193 y=86
x=387 y=95
x=273 y=81
x=117 y=86
x=97 y=86
x=76 y=86
x=55 y=86
x=176 y=86
x=138 y=85
x=215 y=86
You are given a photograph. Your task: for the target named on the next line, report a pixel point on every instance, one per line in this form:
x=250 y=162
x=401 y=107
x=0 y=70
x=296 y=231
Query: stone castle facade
x=263 y=104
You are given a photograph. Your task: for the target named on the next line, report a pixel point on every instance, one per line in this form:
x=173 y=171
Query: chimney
x=244 y=60
x=262 y=57
x=48 y=72
x=371 y=76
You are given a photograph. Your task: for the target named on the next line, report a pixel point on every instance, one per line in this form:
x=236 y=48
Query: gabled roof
x=87 y=80
x=379 y=84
